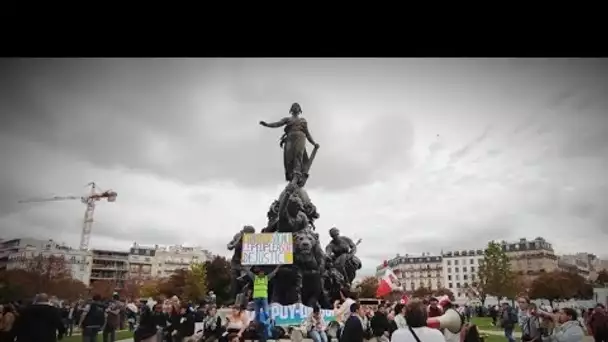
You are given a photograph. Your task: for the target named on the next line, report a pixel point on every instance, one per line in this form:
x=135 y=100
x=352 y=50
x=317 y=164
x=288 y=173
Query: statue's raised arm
x=277 y=124
x=295 y=159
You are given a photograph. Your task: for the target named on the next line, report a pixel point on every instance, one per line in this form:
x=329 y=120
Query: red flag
x=388 y=283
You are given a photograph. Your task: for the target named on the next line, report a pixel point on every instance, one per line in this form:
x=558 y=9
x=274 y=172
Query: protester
x=237 y=322
x=212 y=326
x=598 y=324
x=400 y=321
x=260 y=289
x=570 y=329
x=185 y=328
x=434 y=309
x=92 y=319
x=508 y=320
x=315 y=325
x=353 y=327
x=380 y=324
x=40 y=322
x=7 y=321
x=71 y=316
x=147 y=328
x=113 y=314
x=416 y=316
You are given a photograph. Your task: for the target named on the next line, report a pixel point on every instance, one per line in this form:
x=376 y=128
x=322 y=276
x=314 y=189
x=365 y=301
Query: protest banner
x=287 y=315
x=267 y=249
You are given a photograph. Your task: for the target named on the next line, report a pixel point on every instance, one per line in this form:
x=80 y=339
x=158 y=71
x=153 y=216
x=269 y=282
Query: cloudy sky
x=417 y=155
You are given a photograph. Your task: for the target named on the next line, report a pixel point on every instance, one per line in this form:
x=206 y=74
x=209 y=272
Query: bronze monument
x=316 y=276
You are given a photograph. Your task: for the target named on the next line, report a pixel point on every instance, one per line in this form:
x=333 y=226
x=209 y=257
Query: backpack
x=95 y=317
x=512 y=317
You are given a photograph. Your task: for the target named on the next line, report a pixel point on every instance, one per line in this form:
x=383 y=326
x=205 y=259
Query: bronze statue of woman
x=293 y=142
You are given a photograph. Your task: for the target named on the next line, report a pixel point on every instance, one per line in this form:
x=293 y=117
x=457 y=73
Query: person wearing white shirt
x=417 y=331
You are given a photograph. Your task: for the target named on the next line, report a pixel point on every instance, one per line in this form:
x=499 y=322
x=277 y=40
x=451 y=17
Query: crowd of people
x=546 y=324
x=173 y=320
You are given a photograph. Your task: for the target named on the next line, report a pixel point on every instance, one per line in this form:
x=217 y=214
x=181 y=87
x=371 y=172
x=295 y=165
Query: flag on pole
x=388 y=283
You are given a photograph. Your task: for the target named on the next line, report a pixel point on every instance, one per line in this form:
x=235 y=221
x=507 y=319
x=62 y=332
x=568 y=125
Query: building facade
x=162 y=261
x=142 y=262
x=110 y=266
x=530 y=258
x=460 y=271
x=172 y=258
x=580 y=263
x=47 y=256
x=416 y=271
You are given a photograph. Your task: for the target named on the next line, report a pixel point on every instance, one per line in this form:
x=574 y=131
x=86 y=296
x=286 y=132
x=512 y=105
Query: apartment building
x=14 y=246
x=579 y=263
x=21 y=253
x=416 y=271
x=142 y=262
x=172 y=258
x=530 y=258
x=460 y=271
x=111 y=266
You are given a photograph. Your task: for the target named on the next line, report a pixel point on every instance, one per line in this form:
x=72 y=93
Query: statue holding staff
x=295 y=159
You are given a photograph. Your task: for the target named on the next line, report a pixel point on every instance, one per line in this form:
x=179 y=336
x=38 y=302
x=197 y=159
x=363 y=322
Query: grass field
x=120 y=335
x=485 y=323
x=494 y=338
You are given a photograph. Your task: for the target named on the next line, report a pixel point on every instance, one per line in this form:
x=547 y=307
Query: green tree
x=368 y=287
x=218 y=278
x=195 y=288
x=495 y=276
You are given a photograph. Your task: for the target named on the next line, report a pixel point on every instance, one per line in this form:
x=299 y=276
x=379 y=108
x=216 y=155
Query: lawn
x=494 y=338
x=120 y=335
x=485 y=323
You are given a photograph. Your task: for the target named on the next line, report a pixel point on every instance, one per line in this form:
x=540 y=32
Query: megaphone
x=450 y=320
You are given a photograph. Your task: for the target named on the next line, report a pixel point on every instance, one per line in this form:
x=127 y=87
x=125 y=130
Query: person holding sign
x=260 y=289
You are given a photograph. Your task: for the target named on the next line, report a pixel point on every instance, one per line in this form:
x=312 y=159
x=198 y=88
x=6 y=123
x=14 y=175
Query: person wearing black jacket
x=40 y=322
x=146 y=330
x=380 y=324
x=185 y=328
x=353 y=328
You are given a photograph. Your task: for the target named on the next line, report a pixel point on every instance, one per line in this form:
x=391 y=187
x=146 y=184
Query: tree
x=68 y=289
x=44 y=269
x=103 y=288
x=16 y=284
x=444 y=292
x=368 y=286
x=515 y=285
x=175 y=284
x=558 y=285
x=422 y=292
x=495 y=276
x=131 y=288
x=195 y=288
x=602 y=277
x=218 y=278
x=150 y=288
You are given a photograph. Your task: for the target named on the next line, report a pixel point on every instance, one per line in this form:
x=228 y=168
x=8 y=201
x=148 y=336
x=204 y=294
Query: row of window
x=464 y=277
x=466 y=285
x=471 y=262
x=464 y=269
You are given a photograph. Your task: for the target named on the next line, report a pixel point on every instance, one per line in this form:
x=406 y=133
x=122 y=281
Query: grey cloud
x=114 y=112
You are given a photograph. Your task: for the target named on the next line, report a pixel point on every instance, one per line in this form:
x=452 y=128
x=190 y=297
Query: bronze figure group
x=317 y=275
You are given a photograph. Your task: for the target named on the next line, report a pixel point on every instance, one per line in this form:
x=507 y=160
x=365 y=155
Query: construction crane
x=94 y=195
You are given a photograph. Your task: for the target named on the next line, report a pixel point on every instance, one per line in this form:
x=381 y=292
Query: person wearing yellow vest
x=260 y=289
